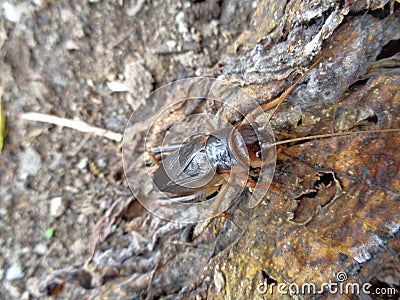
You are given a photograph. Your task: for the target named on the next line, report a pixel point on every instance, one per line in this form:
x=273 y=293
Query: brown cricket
x=208 y=164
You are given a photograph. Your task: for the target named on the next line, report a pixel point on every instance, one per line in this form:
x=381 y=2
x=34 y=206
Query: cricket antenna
x=284 y=95
x=328 y=135
x=277 y=101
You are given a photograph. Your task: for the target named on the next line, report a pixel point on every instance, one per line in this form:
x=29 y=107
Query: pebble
x=82 y=164
x=14 y=272
x=79 y=247
x=11 y=13
x=219 y=280
x=102 y=162
x=40 y=249
x=30 y=162
x=88 y=210
x=37 y=2
x=82 y=219
x=57 y=207
x=171 y=44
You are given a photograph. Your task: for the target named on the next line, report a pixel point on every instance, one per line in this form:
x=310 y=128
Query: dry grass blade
x=77 y=125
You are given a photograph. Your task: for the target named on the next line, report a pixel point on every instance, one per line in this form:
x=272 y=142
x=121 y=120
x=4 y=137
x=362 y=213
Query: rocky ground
x=61 y=58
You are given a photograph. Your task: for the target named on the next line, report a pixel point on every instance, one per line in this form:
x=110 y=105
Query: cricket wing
x=185 y=170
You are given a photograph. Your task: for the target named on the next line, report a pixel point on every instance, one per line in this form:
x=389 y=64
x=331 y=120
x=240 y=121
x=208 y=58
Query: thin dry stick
x=77 y=125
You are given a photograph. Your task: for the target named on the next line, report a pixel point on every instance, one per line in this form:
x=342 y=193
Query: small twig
x=77 y=125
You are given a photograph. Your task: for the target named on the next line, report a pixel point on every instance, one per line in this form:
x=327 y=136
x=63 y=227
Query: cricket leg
x=209 y=125
x=216 y=205
x=202 y=195
x=278 y=101
x=169 y=148
x=152 y=152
